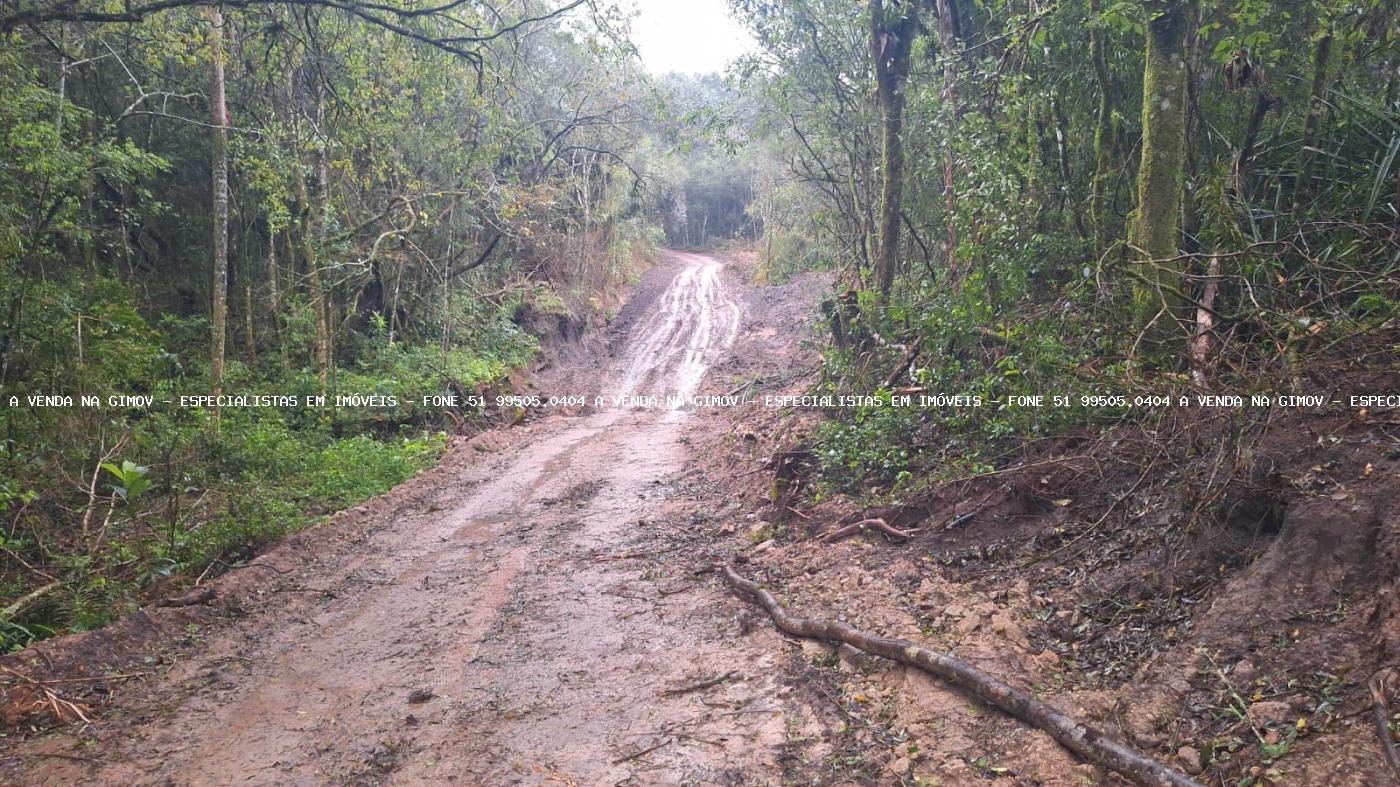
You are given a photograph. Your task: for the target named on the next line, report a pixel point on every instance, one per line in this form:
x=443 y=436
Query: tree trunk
x=1239 y=167
x=314 y=280
x=219 y=163
x=1156 y=224
x=250 y=337
x=1302 y=187
x=890 y=46
x=274 y=293
x=1103 y=136
x=947 y=40
x=320 y=298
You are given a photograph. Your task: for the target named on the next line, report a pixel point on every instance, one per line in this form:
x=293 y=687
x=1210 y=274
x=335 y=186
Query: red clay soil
x=1229 y=630
x=527 y=613
x=539 y=609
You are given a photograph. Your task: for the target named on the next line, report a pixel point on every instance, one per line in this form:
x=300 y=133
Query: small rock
x=1152 y=739
x=1190 y=759
x=1245 y=671
x=419 y=695
x=1005 y=625
x=901 y=766
x=1270 y=712
x=968 y=625
x=1272 y=737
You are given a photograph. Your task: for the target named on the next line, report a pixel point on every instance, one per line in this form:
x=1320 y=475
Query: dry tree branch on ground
x=1085 y=741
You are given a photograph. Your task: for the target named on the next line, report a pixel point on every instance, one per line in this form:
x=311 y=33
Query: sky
x=690 y=36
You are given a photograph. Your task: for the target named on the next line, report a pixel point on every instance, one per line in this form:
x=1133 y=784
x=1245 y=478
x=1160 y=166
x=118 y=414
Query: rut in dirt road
x=536 y=601
x=694 y=324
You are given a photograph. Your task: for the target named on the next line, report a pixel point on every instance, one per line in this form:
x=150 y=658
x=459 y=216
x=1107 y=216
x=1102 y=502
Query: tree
x=1156 y=225
x=1103 y=132
x=218 y=162
x=892 y=31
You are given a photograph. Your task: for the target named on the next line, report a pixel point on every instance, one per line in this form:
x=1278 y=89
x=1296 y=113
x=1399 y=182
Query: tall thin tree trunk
x=250 y=338
x=274 y=293
x=218 y=158
x=1103 y=135
x=1302 y=187
x=320 y=307
x=890 y=46
x=947 y=39
x=1239 y=166
x=1157 y=224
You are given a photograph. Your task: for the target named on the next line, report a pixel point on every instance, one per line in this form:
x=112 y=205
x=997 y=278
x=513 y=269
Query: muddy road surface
x=519 y=616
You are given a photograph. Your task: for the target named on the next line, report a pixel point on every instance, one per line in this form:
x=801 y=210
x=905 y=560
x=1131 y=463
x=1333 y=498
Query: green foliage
x=874 y=446
x=1017 y=277
x=132 y=479
x=356 y=468
x=395 y=213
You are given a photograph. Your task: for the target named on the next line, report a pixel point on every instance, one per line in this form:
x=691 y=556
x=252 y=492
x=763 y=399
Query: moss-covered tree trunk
x=892 y=30
x=1156 y=225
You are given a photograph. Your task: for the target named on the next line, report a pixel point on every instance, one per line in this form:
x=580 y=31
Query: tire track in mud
x=695 y=324
x=534 y=600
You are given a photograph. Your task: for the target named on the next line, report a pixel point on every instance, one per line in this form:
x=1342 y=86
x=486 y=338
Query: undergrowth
x=113 y=504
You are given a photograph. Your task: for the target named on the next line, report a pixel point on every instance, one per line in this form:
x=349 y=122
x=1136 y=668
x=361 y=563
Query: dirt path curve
x=530 y=595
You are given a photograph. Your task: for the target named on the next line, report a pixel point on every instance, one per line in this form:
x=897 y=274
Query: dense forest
x=270 y=264
x=1077 y=198
x=294 y=200
x=316 y=198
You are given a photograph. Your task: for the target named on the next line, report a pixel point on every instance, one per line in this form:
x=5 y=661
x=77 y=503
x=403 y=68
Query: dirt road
x=513 y=619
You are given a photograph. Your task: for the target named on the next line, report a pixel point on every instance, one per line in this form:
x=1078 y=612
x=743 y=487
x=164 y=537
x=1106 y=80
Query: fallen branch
x=56 y=702
x=23 y=602
x=864 y=525
x=699 y=686
x=1083 y=740
x=201 y=596
x=1381 y=711
x=903 y=365
x=643 y=752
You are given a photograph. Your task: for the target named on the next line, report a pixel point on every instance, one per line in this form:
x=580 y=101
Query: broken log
x=864 y=525
x=1380 y=711
x=1085 y=741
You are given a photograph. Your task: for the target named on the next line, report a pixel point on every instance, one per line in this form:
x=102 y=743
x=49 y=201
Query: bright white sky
x=690 y=36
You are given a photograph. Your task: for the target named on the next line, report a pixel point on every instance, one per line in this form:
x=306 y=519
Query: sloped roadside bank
x=1239 y=649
